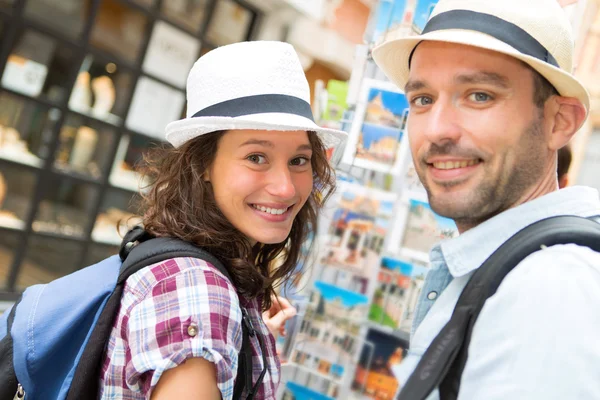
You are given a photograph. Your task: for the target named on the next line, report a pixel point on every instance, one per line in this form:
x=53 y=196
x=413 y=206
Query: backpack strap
x=140 y=249
x=445 y=359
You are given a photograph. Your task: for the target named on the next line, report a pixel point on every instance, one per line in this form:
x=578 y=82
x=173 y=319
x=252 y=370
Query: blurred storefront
x=86 y=87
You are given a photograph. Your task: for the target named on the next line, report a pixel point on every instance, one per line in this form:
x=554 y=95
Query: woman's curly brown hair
x=181 y=204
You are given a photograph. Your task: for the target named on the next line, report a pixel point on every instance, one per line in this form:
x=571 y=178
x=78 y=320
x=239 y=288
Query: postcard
x=424 y=228
x=377 y=128
x=356 y=236
x=390 y=300
x=422 y=13
x=391 y=14
x=374 y=378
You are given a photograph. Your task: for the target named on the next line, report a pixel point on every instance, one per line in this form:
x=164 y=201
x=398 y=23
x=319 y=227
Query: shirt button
x=432 y=295
x=193 y=330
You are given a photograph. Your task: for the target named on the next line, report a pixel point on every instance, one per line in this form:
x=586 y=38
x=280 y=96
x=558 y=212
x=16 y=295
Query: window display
x=25 y=129
x=84 y=147
x=189 y=13
x=67 y=16
x=66 y=207
x=119 y=30
x=38 y=67
x=230 y=23
x=129 y=154
x=171 y=54
x=116 y=216
x=8 y=243
x=153 y=106
x=101 y=90
x=16 y=190
x=47 y=259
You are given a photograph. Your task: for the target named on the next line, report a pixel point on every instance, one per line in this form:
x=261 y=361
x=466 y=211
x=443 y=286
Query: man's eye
x=480 y=97
x=256 y=159
x=422 y=101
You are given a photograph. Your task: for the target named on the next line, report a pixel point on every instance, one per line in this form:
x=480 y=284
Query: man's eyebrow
x=413 y=85
x=489 y=78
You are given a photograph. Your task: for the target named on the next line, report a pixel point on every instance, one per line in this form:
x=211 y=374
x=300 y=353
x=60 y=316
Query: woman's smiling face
x=261 y=179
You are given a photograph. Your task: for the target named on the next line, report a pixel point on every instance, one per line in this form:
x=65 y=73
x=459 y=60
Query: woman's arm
x=194 y=379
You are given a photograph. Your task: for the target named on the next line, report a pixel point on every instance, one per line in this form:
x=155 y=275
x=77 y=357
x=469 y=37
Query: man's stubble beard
x=497 y=193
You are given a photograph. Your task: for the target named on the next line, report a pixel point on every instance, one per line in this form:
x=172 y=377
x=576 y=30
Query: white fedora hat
x=249 y=85
x=536 y=32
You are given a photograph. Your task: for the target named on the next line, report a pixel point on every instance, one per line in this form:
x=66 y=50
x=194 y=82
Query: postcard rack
x=370 y=257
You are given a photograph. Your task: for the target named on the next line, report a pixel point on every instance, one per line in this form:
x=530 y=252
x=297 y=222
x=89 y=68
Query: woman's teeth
x=274 y=211
x=454 y=164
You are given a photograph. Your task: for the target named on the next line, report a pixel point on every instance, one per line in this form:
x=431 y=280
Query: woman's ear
x=206 y=176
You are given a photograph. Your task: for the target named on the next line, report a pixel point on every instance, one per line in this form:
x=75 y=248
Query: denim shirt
x=538 y=337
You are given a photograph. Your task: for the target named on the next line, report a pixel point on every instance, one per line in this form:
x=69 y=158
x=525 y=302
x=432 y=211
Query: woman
x=245 y=179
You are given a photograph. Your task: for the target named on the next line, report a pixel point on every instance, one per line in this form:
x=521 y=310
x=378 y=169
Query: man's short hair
x=542 y=89
x=564 y=161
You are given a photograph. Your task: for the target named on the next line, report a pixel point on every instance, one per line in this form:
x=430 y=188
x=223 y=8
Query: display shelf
x=60 y=236
x=11 y=224
x=21 y=162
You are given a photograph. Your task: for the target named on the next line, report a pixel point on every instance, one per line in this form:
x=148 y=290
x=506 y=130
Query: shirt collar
x=468 y=251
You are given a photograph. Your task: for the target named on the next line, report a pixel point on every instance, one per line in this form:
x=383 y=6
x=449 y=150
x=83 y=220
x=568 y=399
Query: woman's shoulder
x=179 y=281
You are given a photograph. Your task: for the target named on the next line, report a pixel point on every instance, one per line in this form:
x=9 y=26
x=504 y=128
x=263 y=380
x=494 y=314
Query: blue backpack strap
x=138 y=250
x=443 y=363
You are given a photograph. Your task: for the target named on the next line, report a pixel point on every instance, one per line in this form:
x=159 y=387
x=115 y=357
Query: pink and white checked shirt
x=152 y=333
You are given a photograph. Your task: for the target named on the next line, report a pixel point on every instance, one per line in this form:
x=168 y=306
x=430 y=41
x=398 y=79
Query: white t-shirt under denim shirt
x=538 y=337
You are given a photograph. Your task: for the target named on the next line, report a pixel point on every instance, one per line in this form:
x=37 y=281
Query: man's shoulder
x=555 y=271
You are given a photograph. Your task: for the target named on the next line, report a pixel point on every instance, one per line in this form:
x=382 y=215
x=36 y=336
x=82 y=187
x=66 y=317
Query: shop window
x=129 y=154
x=98 y=252
x=187 y=13
x=25 y=130
x=66 y=208
x=153 y=106
x=119 y=30
x=230 y=23
x=48 y=258
x=67 y=16
x=85 y=147
x=17 y=185
x=117 y=215
x=38 y=67
x=171 y=54
x=8 y=243
x=102 y=90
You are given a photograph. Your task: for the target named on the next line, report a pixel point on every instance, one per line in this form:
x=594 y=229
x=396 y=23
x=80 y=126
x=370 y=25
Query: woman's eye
x=422 y=101
x=479 y=97
x=299 y=161
x=256 y=159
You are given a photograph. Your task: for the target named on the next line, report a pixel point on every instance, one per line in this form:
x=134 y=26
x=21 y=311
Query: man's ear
x=566 y=115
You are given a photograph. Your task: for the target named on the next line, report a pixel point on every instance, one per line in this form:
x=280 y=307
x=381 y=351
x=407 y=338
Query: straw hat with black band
x=536 y=32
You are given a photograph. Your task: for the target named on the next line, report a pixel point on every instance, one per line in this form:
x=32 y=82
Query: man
x=564 y=163
x=492 y=99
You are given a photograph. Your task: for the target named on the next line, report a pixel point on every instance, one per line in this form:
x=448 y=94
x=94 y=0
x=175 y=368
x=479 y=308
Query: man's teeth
x=274 y=211
x=454 y=164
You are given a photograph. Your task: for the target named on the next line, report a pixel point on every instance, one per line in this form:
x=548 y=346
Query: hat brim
x=392 y=57
x=179 y=132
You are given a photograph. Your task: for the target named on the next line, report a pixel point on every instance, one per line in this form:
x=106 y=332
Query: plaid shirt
x=176 y=310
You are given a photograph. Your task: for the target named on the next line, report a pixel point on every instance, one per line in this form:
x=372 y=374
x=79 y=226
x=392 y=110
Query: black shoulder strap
x=444 y=361
x=139 y=249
